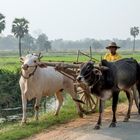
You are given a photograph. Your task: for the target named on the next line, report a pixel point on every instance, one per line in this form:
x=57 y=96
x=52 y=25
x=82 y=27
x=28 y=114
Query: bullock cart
x=71 y=70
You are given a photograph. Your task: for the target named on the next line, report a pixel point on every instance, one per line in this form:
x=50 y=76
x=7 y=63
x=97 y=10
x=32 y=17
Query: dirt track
x=82 y=129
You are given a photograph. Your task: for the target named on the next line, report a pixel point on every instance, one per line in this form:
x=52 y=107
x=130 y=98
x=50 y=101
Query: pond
x=15 y=114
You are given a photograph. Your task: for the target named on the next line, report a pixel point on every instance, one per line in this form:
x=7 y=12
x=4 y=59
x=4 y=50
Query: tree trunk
x=19 y=46
x=134 y=45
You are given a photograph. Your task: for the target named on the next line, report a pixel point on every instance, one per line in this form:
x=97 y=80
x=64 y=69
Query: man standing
x=112 y=55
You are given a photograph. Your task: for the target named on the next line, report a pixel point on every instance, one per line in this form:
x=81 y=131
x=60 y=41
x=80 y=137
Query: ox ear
x=21 y=59
x=40 y=57
x=97 y=72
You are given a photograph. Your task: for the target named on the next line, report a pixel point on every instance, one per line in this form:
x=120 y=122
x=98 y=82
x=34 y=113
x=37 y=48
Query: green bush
x=9 y=89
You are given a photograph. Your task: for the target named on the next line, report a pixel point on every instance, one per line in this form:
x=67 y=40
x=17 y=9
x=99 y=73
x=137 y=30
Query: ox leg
x=114 y=108
x=78 y=106
x=60 y=101
x=36 y=107
x=138 y=87
x=130 y=100
x=24 y=107
x=72 y=91
x=101 y=110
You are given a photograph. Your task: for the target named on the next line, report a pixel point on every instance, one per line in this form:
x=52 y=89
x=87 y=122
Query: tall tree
x=20 y=28
x=28 y=42
x=134 y=31
x=2 y=22
x=97 y=45
x=43 y=43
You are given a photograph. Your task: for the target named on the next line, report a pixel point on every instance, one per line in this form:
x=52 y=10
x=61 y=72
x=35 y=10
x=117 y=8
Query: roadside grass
x=14 y=131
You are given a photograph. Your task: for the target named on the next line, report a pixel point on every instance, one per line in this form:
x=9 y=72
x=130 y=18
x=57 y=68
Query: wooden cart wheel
x=91 y=101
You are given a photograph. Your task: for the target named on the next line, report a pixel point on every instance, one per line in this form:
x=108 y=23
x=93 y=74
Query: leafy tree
x=43 y=43
x=20 y=28
x=97 y=45
x=2 y=22
x=28 y=42
x=9 y=89
x=8 y=42
x=134 y=31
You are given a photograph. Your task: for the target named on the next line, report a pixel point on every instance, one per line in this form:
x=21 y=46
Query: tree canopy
x=20 y=28
x=2 y=22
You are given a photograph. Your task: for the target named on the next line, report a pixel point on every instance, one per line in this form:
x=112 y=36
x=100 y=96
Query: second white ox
x=36 y=82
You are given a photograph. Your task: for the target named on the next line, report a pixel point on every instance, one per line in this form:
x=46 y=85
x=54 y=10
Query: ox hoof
x=113 y=124
x=126 y=120
x=97 y=127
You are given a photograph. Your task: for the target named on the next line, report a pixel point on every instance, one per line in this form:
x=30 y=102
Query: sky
x=74 y=19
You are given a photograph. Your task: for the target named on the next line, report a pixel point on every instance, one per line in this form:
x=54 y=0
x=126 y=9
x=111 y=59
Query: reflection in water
x=13 y=114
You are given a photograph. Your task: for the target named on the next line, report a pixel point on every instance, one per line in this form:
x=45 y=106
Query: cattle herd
x=104 y=81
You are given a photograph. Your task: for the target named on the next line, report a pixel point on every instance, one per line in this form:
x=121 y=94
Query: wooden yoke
x=65 y=69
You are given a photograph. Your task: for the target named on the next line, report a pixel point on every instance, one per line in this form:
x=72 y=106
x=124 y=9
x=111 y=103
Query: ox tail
x=79 y=101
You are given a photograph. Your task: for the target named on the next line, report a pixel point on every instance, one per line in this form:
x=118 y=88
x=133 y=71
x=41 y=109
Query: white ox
x=36 y=82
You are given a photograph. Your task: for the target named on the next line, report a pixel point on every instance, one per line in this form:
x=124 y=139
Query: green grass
x=12 y=63
x=13 y=131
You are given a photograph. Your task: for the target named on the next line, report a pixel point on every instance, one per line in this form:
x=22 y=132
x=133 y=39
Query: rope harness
x=31 y=74
x=96 y=79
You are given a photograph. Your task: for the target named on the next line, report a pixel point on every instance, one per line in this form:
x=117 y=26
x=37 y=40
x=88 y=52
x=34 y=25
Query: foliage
x=20 y=28
x=15 y=131
x=134 y=31
x=31 y=44
x=9 y=89
x=43 y=43
x=97 y=45
x=28 y=42
x=8 y=43
x=2 y=22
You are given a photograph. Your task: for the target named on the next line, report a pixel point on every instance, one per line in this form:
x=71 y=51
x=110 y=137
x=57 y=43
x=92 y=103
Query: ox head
x=30 y=61
x=89 y=73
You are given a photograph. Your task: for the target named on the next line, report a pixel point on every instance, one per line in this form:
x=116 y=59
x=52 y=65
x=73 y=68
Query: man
x=112 y=55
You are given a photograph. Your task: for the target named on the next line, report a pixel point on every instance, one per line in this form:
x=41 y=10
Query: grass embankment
x=14 y=131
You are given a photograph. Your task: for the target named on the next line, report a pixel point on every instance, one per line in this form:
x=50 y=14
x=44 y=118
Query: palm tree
x=2 y=22
x=134 y=31
x=20 y=28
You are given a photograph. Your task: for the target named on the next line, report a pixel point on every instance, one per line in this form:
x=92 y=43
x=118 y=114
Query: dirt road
x=82 y=129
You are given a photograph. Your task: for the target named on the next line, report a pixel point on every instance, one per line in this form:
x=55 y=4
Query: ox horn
x=100 y=67
x=39 y=56
x=96 y=66
x=104 y=68
x=21 y=59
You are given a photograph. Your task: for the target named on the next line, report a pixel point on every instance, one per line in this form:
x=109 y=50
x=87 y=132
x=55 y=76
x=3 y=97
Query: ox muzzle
x=25 y=67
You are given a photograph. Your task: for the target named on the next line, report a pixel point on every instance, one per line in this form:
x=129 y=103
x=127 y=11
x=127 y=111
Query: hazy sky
x=75 y=19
